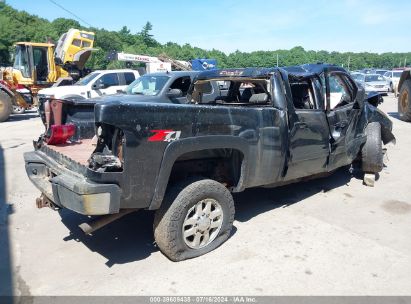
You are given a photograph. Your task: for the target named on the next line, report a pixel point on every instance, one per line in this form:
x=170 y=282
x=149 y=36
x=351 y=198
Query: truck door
x=41 y=64
x=342 y=117
x=309 y=132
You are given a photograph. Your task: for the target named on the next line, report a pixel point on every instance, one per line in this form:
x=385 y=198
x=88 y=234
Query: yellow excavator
x=40 y=65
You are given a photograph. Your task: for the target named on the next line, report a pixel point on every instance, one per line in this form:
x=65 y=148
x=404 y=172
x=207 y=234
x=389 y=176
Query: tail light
x=56 y=132
x=59 y=134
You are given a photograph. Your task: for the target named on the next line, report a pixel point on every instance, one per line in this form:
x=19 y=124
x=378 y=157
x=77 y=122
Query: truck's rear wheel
x=195 y=218
x=6 y=106
x=371 y=153
x=404 y=101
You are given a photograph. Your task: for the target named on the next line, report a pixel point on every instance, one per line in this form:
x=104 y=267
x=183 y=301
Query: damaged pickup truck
x=240 y=128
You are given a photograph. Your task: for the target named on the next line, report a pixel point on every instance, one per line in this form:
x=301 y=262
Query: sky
x=249 y=25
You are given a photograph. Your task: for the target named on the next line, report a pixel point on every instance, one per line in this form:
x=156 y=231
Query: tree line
x=18 y=25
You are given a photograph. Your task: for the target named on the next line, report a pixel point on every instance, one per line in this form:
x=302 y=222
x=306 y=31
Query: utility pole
x=405 y=62
x=349 y=57
x=277 y=60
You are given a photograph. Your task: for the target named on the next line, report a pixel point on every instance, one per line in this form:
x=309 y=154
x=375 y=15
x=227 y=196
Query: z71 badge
x=165 y=135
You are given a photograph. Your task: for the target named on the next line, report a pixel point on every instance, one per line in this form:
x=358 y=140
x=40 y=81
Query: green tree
x=147 y=37
x=18 y=25
x=62 y=25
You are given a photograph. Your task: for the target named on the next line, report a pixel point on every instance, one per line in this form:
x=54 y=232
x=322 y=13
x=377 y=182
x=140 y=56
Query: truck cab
x=237 y=129
x=95 y=84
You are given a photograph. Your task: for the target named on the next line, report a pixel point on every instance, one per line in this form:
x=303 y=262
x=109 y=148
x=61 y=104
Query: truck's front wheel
x=6 y=106
x=195 y=218
x=371 y=153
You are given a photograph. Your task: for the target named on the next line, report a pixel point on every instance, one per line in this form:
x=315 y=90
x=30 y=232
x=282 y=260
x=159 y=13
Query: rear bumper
x=69 y=189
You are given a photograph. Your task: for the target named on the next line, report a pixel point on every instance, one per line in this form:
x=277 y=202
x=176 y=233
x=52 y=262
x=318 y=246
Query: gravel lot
x=331 y=236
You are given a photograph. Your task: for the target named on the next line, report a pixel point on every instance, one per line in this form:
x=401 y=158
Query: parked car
x=163 y=87
x=95 y=84
x=380 y=72
x=358 y=77
x=368 y=71
x=394 y=76
x=271 y=127
x=376 y=83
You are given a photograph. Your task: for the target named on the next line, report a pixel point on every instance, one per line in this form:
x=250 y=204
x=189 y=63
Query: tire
x=404 y=101
x=371 y=153
x=179 y=211
x=6 y=106
x=18 y=110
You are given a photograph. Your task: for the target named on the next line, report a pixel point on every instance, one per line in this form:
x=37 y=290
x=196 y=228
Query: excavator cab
x=73 y=49
x=33 y=63
x=40 y=63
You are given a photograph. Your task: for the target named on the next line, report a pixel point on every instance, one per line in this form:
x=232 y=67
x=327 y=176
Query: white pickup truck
x=95 y=84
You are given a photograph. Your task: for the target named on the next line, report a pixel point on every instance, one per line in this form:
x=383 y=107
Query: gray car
x=376 y=83
x=166 y=86
x=358 y=77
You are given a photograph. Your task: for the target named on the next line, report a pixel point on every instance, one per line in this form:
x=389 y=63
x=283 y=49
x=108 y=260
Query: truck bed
x=79 y=152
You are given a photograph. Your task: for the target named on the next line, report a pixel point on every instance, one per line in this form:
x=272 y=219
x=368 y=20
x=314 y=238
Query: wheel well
x=222 y=165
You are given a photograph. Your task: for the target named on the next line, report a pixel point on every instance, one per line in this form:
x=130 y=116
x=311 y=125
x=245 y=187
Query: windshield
x=370 y=78
x=147 y=85
x=86 y=80
x=397 y=74
x=358 y=77
x=21 y=61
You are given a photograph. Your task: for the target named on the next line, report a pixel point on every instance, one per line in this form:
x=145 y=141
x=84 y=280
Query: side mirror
x=174 y=93
x=98 y=86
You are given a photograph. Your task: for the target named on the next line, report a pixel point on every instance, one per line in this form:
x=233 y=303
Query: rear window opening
x=231 y=91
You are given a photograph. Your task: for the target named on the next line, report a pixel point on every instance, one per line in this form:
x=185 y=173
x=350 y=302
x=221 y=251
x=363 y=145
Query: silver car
x=376 y=83
x=394 y=76
x=358 y=77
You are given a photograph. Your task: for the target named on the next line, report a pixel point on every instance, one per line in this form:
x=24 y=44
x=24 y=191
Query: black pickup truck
x=239 y=128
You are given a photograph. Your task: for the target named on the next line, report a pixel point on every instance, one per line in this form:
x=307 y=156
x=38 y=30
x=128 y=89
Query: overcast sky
x=250 y=25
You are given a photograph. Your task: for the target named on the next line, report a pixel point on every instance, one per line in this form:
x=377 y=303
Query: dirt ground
x=332 y=236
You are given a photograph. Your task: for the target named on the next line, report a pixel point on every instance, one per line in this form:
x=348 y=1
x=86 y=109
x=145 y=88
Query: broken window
x=340 y=93
x=231 y=91
x=76 y=42
x=303 y=93
x=182 y=83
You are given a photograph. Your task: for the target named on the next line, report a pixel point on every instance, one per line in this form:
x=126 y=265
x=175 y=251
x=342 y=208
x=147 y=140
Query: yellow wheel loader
x=40 y=65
